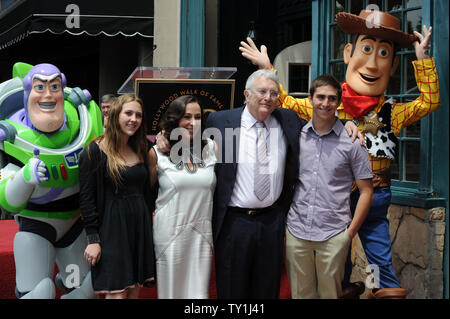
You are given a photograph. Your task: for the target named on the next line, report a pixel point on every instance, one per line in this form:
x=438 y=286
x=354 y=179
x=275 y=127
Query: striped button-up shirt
x=328 y=166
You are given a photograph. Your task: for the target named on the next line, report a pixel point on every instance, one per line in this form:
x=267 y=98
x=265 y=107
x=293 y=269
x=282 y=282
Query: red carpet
x=7 y=268
x=8 y=229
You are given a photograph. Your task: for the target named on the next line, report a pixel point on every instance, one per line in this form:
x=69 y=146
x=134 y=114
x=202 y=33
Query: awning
x=77 y=17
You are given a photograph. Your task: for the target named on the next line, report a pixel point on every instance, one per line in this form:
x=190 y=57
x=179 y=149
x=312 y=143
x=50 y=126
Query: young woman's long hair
x=112 y=137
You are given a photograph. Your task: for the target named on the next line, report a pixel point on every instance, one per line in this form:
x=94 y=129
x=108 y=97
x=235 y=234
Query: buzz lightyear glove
x=35 y=171
x=16 y=190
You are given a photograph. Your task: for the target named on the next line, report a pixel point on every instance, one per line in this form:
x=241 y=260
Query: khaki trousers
x=316 y=269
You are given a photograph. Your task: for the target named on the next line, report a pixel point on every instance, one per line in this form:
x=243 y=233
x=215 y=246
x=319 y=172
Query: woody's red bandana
x=357 y=105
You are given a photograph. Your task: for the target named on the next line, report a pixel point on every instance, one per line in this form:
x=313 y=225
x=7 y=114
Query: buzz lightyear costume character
x=44 y=126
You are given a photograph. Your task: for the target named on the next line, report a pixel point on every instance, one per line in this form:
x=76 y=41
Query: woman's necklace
x=191 y=163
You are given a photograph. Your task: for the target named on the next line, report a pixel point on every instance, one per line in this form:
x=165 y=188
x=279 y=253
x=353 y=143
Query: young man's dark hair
x=326 y=79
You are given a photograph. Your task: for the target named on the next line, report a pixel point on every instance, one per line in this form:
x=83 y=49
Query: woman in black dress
x=116 y=204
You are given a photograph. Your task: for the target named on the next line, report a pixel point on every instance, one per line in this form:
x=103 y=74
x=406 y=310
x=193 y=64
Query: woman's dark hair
x=175 y=112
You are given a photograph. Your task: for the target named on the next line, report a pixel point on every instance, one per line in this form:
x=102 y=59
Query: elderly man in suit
x=250 y=207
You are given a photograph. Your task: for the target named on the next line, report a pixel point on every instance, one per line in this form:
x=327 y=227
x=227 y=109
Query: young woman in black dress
x=116 y=203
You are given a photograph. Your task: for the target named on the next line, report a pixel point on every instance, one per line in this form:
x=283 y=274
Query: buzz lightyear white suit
x=39 y=149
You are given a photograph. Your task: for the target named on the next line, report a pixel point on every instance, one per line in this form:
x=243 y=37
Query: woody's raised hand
x=257 y=57
x=422 y=46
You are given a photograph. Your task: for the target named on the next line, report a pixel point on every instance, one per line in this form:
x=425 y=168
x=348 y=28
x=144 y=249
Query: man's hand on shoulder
x=354 y=132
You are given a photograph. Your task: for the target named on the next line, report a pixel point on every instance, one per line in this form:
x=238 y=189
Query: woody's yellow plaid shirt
x=403 y=114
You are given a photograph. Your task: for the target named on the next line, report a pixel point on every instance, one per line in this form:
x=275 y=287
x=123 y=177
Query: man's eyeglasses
x=263 y=93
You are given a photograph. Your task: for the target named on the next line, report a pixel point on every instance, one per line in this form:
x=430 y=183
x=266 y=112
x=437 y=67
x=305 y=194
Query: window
x=410 y=169
x=299 y=77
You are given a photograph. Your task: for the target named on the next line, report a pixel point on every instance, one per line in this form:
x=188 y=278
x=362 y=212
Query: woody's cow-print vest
x=385 y=143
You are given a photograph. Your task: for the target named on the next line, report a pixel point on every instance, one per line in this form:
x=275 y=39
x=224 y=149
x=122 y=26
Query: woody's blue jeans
x=375 y=238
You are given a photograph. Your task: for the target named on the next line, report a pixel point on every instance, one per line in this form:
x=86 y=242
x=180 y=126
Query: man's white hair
x=257 y=74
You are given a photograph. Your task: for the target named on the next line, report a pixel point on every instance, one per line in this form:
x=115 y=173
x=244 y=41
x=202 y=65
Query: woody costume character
x=371 y=60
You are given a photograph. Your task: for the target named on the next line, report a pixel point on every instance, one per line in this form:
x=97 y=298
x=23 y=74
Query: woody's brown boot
x=387 y=293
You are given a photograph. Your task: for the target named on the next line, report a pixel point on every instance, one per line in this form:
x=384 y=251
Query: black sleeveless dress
x=127 y=255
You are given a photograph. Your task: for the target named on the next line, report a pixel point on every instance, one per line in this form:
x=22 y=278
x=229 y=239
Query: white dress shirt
x=243 y=195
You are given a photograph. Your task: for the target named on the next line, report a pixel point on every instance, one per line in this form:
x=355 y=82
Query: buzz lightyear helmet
x=43 y=69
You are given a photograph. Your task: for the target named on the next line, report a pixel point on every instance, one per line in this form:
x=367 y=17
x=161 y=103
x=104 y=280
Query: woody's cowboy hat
x=376 y=23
